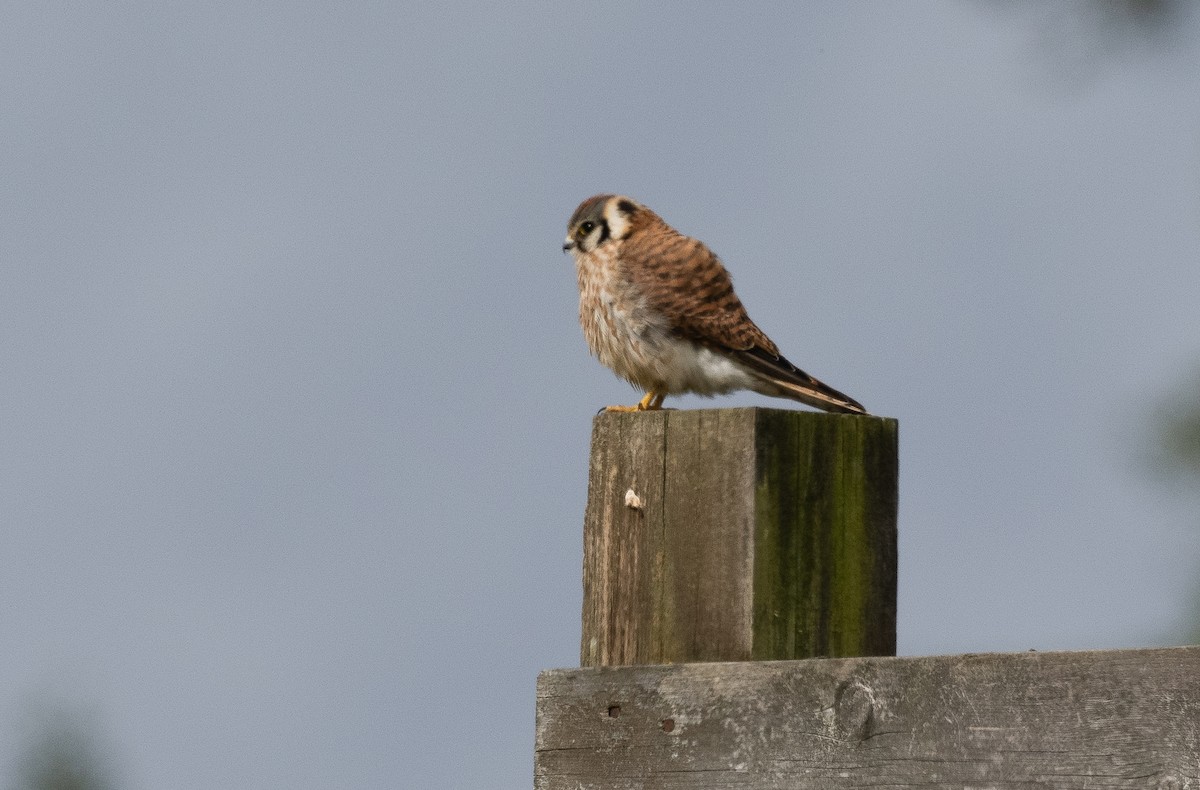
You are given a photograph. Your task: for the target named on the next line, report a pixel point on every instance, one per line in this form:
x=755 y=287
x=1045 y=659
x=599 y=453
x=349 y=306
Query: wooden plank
x=732 y=534
x=621 y=608
x=1104 y=719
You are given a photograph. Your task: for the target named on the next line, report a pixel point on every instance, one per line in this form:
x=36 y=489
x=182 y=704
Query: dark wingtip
x=800 y=385
x=854 y=407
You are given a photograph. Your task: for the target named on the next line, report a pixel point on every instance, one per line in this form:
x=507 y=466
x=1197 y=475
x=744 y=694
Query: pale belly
x=636 y=342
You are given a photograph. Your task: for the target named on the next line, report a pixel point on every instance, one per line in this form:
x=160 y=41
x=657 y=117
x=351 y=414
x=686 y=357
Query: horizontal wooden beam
x=1106 y=719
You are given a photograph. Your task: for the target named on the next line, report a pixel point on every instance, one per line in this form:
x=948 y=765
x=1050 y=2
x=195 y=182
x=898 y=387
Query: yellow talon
x=652 y=402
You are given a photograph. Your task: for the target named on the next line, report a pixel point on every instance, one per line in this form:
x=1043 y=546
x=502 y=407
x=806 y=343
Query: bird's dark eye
x=586 y=227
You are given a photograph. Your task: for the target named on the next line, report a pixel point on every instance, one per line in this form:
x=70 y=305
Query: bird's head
x=598 y=220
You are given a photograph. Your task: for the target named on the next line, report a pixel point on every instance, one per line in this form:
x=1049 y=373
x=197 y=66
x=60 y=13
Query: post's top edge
x=739 y=410
x=1145 y=654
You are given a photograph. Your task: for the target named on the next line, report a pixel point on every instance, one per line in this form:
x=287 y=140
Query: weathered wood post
x=752 y=534
x=739 y=534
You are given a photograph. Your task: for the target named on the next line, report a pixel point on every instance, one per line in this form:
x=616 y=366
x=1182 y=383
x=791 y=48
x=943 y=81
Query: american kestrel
x=659 y=309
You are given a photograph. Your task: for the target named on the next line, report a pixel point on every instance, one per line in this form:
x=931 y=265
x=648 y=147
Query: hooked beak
x=568 y=246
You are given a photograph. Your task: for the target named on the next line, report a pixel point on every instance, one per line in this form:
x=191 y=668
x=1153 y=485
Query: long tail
x=781 y=378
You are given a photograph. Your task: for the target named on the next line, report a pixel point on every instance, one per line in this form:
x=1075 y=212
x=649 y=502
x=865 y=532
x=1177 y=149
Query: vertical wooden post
x=739 y=534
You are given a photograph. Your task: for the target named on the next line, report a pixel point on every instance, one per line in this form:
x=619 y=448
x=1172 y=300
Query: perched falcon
x=659 y=309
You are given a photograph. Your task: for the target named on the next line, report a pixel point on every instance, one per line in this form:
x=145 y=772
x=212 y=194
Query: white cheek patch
x=618 y=223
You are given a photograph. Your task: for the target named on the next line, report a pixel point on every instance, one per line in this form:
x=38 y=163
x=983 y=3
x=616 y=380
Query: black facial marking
x=626 y=207
x=603 y=232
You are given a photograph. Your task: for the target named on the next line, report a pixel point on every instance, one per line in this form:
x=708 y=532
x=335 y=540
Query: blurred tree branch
x=1179 y=435
x=63 y=755
x=1176 y=457
x=1076 y=41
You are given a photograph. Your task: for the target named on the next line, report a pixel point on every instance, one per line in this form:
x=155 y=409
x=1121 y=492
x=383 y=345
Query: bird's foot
x=652 y=402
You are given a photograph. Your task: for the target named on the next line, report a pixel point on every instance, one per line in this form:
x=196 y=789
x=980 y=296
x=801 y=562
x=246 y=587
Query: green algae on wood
x=737 y=534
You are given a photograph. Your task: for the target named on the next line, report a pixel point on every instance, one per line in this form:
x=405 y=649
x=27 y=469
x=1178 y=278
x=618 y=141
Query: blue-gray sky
x=295 y=408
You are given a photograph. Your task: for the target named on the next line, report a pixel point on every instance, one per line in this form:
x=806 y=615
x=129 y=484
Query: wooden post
x=739 y=534
x=757 y=534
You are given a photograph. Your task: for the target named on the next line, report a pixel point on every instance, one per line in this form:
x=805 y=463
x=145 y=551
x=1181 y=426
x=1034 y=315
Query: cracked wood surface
x=739 y=534
x=1103 y=719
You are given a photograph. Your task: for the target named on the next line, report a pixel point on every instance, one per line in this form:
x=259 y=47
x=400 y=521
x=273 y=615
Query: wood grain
x=752 y=533
x=1105 y=719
